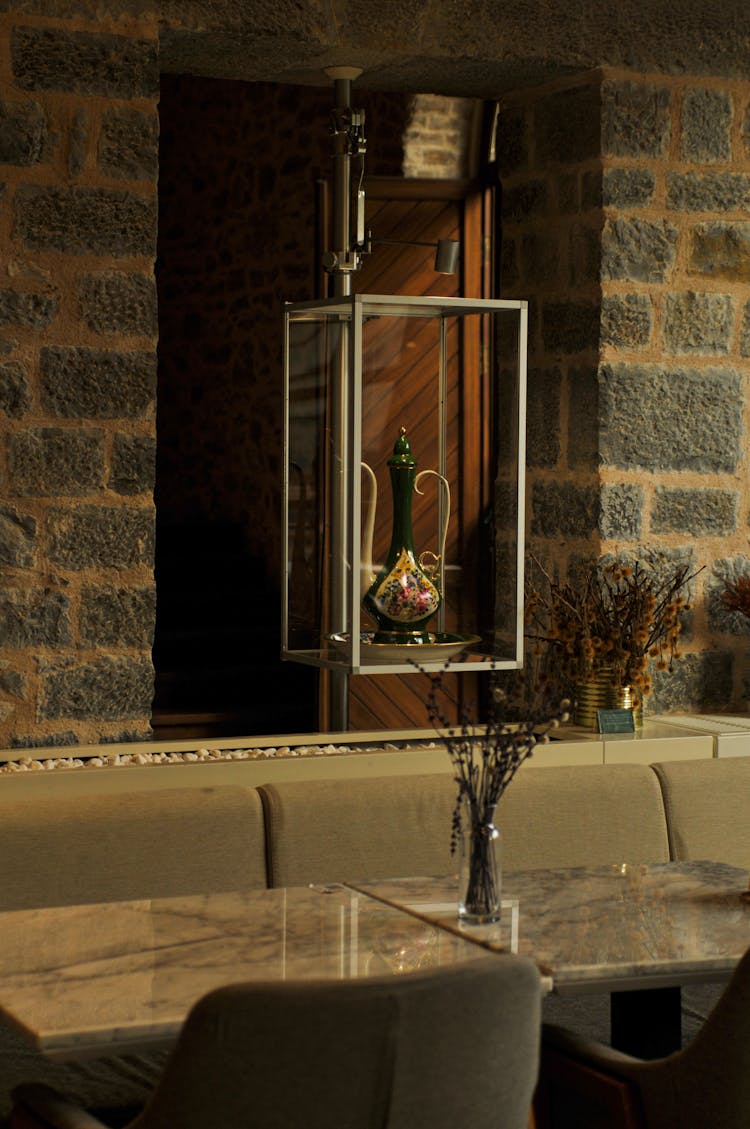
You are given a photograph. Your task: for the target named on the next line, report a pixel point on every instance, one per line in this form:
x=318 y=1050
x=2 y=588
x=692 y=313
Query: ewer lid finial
x=402 y=456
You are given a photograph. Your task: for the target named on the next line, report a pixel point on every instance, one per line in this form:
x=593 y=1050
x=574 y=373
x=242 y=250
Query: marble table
x=121 y=976
x=639 y=932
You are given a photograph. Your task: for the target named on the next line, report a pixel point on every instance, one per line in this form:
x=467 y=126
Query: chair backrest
x=146 y=844
x=708 y=1083
x=708 y=808
x=428 y=1050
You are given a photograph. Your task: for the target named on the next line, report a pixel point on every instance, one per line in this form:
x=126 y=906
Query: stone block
x=570 y=327
x=720 y=618
x=117 y=617
x=511 y=141
x=113 y=302
x=52 y=460
x=744 y=336
x=505 y=591
x=146 y=734
x=583 y=418
x=51 y=740
x=18 y=538
x=509 y=271
x=720 y=250
x=562 y=509
x=697 y=511
x=584 y=255
x=539 y=259
x=708 y=192
x=627 y=188
x=34 y=618
x=543 y=417
x=706 y=121
x=90 y=536
x=568 y=199
x=638 y=250
x=80 y=221
x=697 y=323
x=112 y=66
x=592 y=189
x=23 y=133
x=78 y=142
x=31 y=310
x=97 y=383
x=15 y=394
x=657 y=418
x=108 y=689
x=566 y=126
x=12 y=682
x=524 y=200
x=697 y=683
x=133 y=464
x=506 y=506
x=627 y=320
x=129 y=144
x=635 y=119
x=620 y=511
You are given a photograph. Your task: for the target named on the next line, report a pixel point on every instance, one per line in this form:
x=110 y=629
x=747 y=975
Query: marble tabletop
x=118 y=976
x=605 y=928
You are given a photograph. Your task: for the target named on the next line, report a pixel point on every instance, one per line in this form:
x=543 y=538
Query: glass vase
x=480 y=871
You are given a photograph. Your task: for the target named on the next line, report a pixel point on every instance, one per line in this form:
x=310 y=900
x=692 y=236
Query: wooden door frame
x=476 y=401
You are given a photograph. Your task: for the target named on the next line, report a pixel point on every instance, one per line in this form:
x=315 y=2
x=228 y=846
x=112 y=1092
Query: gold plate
x=442 y=645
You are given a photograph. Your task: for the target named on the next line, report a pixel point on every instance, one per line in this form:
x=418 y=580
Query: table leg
x=646 y=1023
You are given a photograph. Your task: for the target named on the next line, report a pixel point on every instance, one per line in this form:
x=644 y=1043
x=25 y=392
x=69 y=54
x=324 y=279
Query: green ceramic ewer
x=403 y=595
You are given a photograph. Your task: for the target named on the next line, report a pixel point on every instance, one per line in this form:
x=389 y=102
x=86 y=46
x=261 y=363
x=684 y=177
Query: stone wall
x=78 y=172
x=625 y=224
x=237 y=240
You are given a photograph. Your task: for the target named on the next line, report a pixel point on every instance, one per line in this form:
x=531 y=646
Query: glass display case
x=384 y=558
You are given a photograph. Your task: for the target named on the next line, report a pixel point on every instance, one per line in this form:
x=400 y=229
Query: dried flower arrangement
x=485 y=756
x=614 y=617
x=736 y=595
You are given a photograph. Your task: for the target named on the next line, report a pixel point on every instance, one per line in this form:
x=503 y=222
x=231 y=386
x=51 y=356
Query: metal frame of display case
x=340 y=422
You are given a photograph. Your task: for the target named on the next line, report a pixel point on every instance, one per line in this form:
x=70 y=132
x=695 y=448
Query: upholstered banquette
x=162 y=842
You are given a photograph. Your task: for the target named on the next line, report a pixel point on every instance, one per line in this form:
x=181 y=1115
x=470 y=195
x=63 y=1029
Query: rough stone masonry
x=78 y=170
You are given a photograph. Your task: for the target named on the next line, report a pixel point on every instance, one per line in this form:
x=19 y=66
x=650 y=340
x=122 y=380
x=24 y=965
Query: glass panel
x=313 y=350
x=404 y=371
x=509 y=481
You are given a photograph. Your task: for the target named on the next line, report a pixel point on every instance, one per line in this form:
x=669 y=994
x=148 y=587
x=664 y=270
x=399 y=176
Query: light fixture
x=446 y=254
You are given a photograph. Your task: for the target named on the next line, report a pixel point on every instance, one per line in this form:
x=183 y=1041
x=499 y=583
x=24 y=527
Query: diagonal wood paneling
x=403 y=392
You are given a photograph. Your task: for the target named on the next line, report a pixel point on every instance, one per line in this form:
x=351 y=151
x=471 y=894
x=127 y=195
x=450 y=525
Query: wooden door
x=423 y=212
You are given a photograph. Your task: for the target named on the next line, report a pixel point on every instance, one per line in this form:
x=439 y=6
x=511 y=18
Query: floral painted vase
x=402 y=597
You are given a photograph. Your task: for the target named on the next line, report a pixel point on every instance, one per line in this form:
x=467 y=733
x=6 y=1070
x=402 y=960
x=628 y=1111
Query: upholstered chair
x=704 y=1086
x=434 y=1049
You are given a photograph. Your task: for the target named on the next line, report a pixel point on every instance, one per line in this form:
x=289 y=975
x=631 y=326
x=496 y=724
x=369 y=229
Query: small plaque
x=615 y=721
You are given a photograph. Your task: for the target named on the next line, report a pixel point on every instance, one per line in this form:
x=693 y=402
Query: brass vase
x=600 y=693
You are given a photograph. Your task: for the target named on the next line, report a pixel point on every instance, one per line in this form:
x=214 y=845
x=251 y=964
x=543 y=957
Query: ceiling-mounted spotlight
x=446 y=254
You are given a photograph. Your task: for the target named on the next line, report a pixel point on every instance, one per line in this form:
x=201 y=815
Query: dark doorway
x=239 y=164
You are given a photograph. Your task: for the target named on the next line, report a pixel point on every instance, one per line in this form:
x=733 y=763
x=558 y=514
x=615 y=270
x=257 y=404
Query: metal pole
x=338 y=682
